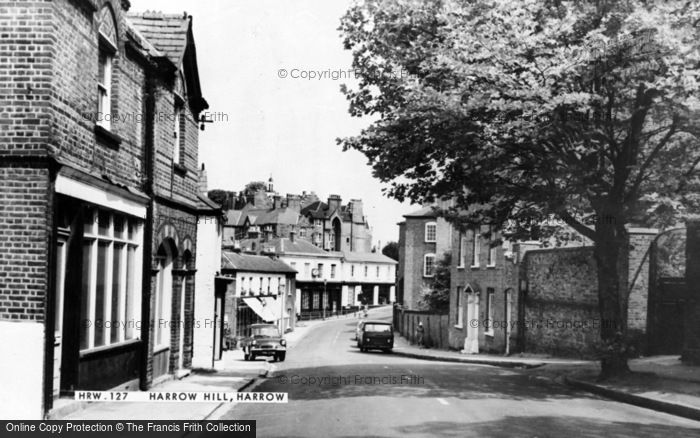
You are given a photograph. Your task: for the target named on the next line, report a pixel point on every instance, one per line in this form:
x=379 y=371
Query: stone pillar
x=375 y=296
x=392 y=294
x=691 y=338
x=640 y=240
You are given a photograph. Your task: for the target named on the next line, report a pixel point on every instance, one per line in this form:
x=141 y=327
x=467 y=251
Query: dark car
x=264 y=340
x=376 y=335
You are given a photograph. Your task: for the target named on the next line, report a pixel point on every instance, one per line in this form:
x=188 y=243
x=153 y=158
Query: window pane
x=103 y=223
x=89 y=221
x=119 y=226
x=102 y=69
x=116 y=284
x=131 y=298
x=100 y=293
x=85 y=297
x=132 y=230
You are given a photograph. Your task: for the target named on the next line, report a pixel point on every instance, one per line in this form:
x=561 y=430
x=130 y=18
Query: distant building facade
x=266 y=215
x=424 y=238
x=259 y=289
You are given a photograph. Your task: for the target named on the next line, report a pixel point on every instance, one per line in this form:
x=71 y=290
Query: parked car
x=358 y=329
x=376 y=335
x=264 y=340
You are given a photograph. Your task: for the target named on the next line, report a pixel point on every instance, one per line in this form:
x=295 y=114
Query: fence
x=435 y=327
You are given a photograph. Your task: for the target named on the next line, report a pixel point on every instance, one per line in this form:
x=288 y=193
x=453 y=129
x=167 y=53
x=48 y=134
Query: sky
x=256 y=61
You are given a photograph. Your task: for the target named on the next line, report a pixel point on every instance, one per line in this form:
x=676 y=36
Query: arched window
x=108 y=39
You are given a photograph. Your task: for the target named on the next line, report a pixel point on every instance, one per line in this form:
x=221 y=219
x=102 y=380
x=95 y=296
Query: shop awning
x=258 y=308
x=272 y=306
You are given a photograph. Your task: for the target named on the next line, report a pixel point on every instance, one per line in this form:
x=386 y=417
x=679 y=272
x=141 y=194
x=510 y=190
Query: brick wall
x=561 y=303
x=27 y=52
x=414 y=249
x=24 y=221
x=74 y=99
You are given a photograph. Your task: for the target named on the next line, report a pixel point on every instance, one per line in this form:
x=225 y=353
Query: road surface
x=336 y=391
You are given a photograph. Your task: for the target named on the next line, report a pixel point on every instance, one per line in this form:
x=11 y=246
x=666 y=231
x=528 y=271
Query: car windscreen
x=265 y=331
x=377 y=327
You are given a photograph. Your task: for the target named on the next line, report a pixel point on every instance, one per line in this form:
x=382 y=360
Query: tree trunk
x=610 y=255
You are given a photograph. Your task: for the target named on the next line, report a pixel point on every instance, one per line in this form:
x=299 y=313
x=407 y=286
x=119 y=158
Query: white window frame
x=129 y=286
x=462 y=251
x=104 y=90
x=490 y=295
x=492 y=255
x=476 y=247
x=425 y=265
x=177 y=133
x=431 y=228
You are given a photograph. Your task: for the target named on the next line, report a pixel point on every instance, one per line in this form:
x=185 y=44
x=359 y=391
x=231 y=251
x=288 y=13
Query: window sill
x=97 y=350
x=179 y=169
x=475 y=267
x=107 y=137
x=489 y=334
x=459 y=327
x=490 y=266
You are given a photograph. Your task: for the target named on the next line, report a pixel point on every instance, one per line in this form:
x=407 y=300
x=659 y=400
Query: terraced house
x=98 y=187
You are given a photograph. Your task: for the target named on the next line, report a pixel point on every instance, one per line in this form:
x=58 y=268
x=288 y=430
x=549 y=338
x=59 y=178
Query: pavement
x=231 y=374
x=336 y=390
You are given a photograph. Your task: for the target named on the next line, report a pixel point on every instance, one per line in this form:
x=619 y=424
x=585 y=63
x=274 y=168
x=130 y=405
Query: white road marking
x=336 y=337
x=443 y=401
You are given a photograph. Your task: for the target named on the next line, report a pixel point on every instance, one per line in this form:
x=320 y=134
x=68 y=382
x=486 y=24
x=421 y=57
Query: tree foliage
x=437 y=299
x=391 y=250
x=520 y=110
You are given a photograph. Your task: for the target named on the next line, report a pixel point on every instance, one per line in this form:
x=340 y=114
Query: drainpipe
x=149 y=143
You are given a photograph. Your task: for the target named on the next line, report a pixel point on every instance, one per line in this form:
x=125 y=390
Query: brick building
x=508 y=297
x=424 y=238
x=98 y=183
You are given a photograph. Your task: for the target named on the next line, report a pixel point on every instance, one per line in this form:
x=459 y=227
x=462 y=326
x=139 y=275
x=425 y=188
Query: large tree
x=523 y=109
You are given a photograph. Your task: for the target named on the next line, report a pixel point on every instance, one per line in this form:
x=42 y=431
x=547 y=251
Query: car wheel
x=281 y=357
x=252 y=356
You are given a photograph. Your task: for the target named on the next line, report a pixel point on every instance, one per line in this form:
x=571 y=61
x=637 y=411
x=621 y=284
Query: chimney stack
x=356 y=209
x=334 y=202
x=202 y=183
x=293 y=202
x=277 y=202
x=292 y=236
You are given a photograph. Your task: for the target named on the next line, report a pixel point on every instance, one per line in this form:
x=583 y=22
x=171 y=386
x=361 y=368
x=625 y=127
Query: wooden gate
x=667 y=288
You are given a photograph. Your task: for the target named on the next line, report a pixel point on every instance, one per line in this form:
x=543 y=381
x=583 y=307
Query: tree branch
x=576 y=225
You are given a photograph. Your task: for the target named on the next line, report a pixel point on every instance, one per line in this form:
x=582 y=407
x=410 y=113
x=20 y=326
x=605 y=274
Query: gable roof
x=171 y=35
x=251 y=263
x=167 y=32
